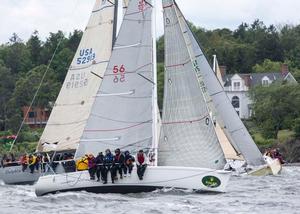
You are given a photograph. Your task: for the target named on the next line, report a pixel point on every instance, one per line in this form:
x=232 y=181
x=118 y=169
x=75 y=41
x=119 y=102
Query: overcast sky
x=25 y=16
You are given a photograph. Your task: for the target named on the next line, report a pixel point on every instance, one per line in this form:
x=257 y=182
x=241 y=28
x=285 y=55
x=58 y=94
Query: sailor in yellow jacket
x=32 y=162
x=82 y=163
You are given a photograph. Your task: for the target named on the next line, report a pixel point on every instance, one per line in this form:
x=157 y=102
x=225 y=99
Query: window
x=31 y=114
x=265 y=82
x=235 y=102
x=236 y=86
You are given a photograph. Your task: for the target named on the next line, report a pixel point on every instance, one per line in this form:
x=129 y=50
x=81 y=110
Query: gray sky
x=24 y=16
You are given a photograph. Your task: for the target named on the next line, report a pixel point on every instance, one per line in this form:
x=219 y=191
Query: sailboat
x=236 y=139
x=124 y=114
x=74 y=102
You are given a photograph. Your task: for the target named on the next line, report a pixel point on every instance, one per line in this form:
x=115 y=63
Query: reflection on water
x=273 y=194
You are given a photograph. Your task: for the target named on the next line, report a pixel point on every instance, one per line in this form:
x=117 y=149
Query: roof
x=253 y=79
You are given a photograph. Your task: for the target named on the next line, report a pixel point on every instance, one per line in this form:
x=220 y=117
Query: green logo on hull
x=211 y=181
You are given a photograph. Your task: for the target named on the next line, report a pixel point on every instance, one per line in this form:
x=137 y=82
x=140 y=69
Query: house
x=37 y=117
x=237 y=86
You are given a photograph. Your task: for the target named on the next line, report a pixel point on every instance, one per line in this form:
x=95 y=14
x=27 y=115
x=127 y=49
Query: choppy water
x=280 y=194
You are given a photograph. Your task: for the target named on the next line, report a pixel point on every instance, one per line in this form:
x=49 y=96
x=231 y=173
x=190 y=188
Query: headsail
x=72 y=107
x=231 y=123
x=229 y=151
x=122 y=114
x=188 y=137
x=217 y=70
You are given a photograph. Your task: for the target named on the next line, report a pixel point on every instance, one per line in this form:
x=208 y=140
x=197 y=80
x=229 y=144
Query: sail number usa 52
x=85 y=56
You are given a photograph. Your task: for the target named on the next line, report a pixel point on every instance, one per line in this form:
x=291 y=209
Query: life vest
x=141 y=158
x=82 y=164
x=32 y=160
x=24 y=160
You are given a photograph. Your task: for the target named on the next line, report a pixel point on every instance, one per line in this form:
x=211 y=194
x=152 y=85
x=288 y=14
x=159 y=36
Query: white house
x=238 y=85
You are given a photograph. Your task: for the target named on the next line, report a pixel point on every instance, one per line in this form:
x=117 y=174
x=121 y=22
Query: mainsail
x=231 y=123
x=188 y=137
x=73 y=105
x=122 y=114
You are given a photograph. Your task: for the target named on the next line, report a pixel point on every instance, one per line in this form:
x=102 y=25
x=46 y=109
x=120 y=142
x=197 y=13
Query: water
x=280 y=194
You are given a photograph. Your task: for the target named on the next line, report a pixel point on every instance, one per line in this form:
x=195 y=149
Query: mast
x=154 y=99
x=115 y=25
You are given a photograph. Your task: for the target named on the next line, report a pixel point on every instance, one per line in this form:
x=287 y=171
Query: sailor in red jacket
x=141 y=163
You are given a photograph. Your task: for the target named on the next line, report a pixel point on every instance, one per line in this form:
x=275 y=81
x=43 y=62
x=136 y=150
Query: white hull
x=14 y=175
x=155 y=178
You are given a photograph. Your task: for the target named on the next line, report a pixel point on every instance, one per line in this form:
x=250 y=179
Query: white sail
x=188 y=137
x=122 y=114
x=73 y=105
x=227 y=148
x=225 y=113
x=217 y=70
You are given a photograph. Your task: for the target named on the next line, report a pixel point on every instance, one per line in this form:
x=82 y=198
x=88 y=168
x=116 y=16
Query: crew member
x=119 y=162
x=24 y=162
x=108 y=166
x=141 y=164
x=82 y=163
x=92 y=166
x=128 y=166
x=32 y=163
x=100 y=168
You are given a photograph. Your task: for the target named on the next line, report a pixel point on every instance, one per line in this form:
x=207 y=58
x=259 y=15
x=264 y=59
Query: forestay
x=226 y=114
x=188 y=137
x=122 y=113
x=73 y=105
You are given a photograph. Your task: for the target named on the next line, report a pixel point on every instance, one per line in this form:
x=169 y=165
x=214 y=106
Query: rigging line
x=126 y=46
x=119 y=129
x=83 y=67
x=128 y=14
x=70 y=123
x=216 y=93
x=95 y=11
x=168 y=6
x=134 y=144
x=122 y=145
x=119 y=121
x=138 y=20
x=146 y=78
x=177 y=65
x=96 y=75
x=149 y=4
x=187 y=121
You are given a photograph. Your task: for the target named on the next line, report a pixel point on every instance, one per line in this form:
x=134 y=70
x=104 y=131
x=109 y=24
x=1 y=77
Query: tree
x=61 y=63
x=267 y=66
x=16 y=56
x=74 y=40
x=296 y=128
x=7 y=82
x=25 y=89
x=275 y=107
x=34 y=46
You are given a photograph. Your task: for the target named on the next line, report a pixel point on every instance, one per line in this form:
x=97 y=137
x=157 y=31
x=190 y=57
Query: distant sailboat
x=124 y=115
x=74 y=102
x=229 y=152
